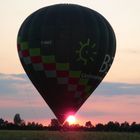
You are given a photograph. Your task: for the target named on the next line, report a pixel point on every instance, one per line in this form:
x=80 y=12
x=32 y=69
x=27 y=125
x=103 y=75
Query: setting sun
x=71 y=119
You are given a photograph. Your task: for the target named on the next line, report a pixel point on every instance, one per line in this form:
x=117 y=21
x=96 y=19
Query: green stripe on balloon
x=24 y=45
x=19 y=40
x=34 y=52
x=62 y=66
x=48 y=59
x=83 y=81
x=75 y=74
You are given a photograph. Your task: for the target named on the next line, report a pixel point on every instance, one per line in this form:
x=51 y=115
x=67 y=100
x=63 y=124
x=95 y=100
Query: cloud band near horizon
x=109 y=102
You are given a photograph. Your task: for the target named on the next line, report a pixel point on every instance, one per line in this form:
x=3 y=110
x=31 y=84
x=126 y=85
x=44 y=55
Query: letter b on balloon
x=106 y=64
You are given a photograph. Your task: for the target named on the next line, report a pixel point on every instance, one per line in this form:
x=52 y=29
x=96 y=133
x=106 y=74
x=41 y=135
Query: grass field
x=56 y=135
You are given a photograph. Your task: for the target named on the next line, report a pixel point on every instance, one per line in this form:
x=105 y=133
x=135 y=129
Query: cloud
x=20 y=83
x=8 y=83
x=110 y=101
x=113 y=89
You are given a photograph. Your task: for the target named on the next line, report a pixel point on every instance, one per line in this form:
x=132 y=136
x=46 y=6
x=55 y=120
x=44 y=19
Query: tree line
x=19 y=124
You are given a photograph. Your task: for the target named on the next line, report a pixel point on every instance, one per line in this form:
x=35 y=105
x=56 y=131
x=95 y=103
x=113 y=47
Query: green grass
x=56 y=135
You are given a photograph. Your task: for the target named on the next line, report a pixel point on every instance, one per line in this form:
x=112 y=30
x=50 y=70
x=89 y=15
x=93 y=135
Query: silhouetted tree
x=55 y=125
x=111 y=126
x=19 y=124
x=117 y=126
x=125 y=126
x=88 y=124
x=74 y=127
x=18 y=121
x=1 y=122
x=99 y=127
x=34 y=126
x=135 y=127
x=6 y=123
x=66 y=125
x=31 y=125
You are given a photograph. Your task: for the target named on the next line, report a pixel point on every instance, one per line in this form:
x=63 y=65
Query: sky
x=117 y=98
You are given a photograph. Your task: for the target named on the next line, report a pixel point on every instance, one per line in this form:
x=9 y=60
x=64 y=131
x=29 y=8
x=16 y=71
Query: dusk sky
x=117 y=98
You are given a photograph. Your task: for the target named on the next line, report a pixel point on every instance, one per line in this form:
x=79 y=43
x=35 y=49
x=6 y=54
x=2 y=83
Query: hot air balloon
x=66 y=51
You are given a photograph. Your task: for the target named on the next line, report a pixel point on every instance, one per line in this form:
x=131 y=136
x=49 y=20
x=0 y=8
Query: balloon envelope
x=66 y=50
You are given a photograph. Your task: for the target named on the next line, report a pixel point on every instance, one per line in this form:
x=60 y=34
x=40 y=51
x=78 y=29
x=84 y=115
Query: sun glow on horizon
x=71 y=119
